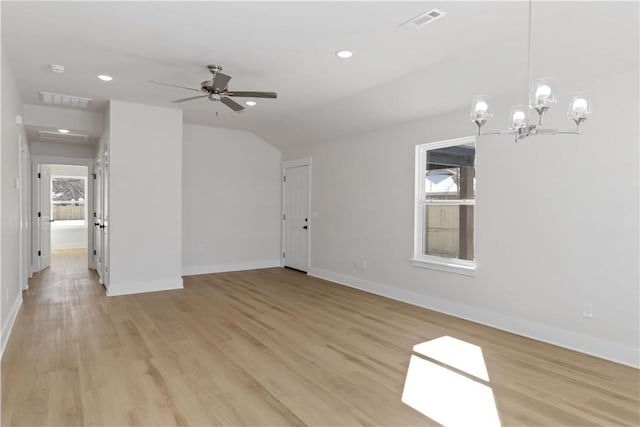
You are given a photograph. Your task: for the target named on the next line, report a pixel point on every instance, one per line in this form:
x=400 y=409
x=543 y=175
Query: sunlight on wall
x=445 y=396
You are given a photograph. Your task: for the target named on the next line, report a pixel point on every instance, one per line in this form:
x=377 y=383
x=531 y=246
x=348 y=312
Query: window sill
x=466 y=268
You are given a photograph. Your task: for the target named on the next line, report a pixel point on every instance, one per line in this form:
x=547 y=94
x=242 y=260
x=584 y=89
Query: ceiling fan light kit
x=541 y=99
x=217 y=89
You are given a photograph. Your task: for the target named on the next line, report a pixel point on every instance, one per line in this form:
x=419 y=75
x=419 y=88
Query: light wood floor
x=268 y=347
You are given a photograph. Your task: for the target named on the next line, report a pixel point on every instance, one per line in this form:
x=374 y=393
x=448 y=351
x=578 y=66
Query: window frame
x=61 y=223
x=453 y=265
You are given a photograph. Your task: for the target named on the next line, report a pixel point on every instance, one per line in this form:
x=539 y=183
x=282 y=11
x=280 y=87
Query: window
x=68 y=201
x=445 y=203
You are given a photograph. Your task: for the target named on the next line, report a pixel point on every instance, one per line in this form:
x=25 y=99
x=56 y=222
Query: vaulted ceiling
x=395 y=75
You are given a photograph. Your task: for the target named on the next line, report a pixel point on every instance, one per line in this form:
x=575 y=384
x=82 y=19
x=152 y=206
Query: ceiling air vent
x=62 y=137
x=423 y=19
x=64 y=100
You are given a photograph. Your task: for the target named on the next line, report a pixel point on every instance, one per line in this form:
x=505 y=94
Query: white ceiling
x=396 y=75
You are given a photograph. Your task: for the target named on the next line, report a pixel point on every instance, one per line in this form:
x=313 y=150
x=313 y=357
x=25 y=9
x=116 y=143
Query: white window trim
x=451 y=265
x=60 y=224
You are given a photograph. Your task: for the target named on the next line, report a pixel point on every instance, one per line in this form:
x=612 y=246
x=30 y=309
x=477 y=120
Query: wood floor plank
x=270 y=347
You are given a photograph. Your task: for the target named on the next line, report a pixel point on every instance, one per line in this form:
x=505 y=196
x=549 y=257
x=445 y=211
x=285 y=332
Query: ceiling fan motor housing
x=207 y=86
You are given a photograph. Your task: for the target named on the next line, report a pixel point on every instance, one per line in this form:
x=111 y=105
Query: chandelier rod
x=529 y=56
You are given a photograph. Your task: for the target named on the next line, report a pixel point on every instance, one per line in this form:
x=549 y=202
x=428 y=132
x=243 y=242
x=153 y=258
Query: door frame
x=24 y=201
x=105 y=241
x=42 y=186
x=97 y=200
x=305 y=161
x=37 y=160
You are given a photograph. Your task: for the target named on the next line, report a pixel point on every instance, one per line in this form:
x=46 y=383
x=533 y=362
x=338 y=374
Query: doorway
x=296 y=222
x=100 y=220
x=62 y=205
x=61 y=214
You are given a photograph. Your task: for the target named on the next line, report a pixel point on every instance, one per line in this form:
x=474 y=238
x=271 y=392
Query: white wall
x=67 y=237
x=86 y=122
x=64 y=236
x=231 y=201
x=42 y=116
x=71 y=171
x=145 y=198
x=11 y=295
x=59 y=149
x=556 y=223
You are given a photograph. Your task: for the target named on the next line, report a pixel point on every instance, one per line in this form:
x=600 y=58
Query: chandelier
x=541 y=98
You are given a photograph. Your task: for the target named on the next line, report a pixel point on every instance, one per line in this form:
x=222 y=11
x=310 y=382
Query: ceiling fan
x=217 y=89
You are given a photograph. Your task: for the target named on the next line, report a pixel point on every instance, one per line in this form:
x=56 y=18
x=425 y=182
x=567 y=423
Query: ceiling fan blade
x=231 y=104
x=189 y=99
x=169 y=84
x=245 y=94
x=220 y=81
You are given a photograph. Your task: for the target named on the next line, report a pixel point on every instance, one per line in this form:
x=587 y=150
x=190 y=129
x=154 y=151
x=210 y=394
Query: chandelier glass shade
x=542 y=97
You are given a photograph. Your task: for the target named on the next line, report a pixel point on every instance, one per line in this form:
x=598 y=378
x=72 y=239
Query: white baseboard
x=604 y=349
x=70 y=245
x=223 y=268
x=129 y=288
x=8 y=326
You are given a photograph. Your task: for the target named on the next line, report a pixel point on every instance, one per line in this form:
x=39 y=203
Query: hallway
x=39 y=370
x=67 y=274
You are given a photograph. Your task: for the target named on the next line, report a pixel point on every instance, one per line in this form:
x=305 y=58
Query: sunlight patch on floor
x=444 y=395
x=456 y=353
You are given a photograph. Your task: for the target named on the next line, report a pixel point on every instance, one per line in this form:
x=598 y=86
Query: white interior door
x=44 y=216
x=296 y=218
x=105 y=219
x=97 y=218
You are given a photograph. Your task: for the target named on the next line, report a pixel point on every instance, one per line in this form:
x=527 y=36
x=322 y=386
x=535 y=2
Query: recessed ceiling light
x=344 y=54
x=63 y=130
x=105 y=78
x=250 y=103
x=57 y=68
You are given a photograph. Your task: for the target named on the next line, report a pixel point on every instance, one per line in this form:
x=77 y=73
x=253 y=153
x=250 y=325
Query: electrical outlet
x=364 y=265
x=587 y=310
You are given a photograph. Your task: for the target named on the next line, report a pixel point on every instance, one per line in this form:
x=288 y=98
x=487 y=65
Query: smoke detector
x=423 y=19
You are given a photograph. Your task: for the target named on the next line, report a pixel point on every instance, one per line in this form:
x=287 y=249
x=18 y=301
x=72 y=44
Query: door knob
x=305 y=227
